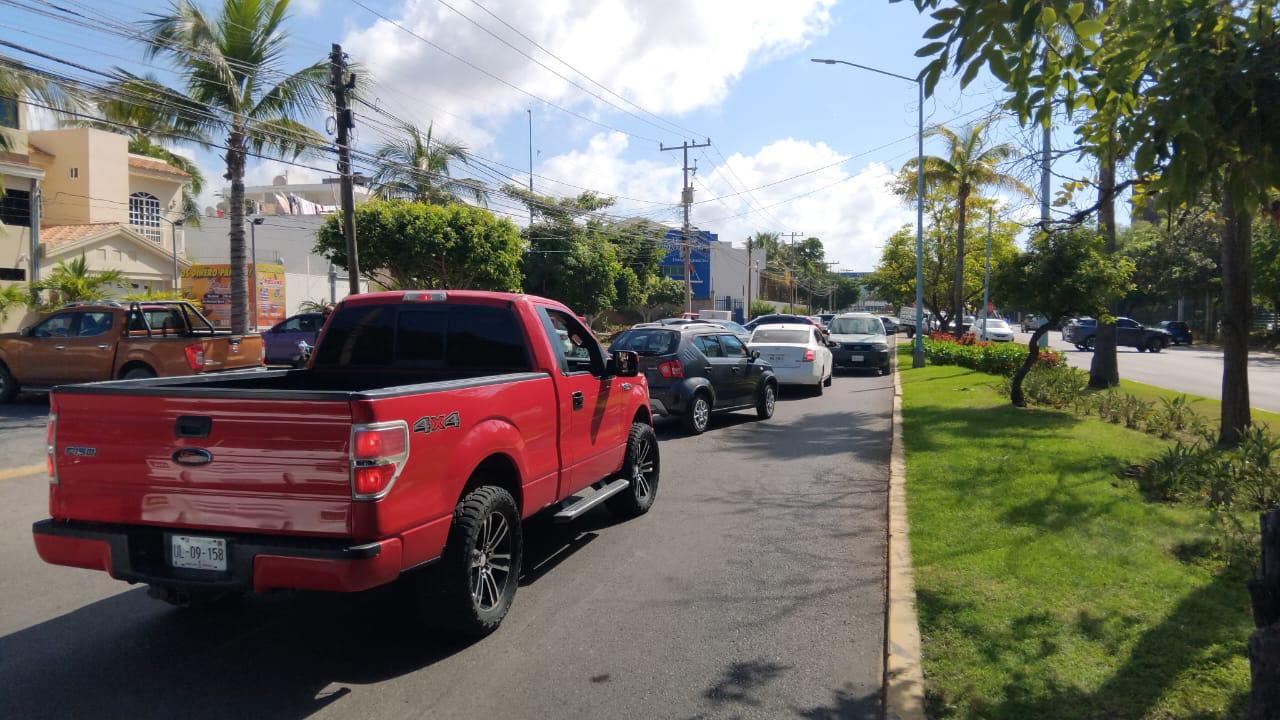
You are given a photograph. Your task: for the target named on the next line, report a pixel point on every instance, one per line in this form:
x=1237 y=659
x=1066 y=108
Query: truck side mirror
x=625 y=363
x=755 y=355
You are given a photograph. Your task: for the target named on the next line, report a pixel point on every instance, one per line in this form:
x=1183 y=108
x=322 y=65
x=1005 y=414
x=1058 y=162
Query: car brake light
x=50 y=440
x=378 y=454
x=808 y=355
x=195 y=356
x=671 y=369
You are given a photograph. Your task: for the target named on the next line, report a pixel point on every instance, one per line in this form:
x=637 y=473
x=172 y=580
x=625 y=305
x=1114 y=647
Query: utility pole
x=530 y=111
x=686 y=199
x=746 y=311
x=795 y=295
x=341 y=82
x=986 y=278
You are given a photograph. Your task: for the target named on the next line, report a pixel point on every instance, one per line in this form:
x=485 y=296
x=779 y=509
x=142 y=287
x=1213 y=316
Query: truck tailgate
x=261 y=466
x=226 y=352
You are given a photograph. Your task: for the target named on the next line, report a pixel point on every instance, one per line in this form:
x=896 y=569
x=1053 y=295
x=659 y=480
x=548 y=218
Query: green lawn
x=1046 y=586
x=1209 y=407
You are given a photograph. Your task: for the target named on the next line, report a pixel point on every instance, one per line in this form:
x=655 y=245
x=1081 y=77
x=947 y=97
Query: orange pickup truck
x=92 y=341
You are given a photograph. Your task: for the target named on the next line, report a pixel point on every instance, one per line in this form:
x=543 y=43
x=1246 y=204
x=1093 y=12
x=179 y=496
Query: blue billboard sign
x=700 y=260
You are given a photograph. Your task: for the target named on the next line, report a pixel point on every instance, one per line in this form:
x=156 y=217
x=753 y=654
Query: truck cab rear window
x=452 y=337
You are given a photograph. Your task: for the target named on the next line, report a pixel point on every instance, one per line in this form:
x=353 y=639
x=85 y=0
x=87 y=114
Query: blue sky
x=737 y=71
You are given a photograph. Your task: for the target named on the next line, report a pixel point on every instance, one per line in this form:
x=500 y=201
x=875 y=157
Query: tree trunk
x=1237 y=304
x=1104 y=371
x=1264 y=643
x=1209 y=329
x=962 y=198
x=1033 y=354
x=239 y=267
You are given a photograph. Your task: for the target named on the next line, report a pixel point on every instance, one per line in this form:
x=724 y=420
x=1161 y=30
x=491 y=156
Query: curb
x=903 y=677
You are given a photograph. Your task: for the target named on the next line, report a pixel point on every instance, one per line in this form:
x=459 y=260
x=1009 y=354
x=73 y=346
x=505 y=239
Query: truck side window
x=708 y=345
x=578 y=350
x=359 y=336
x=94 y=323
x=55 y=327
x=482 y=337
x=733 y=347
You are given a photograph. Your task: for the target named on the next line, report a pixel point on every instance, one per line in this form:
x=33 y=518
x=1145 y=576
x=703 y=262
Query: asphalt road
x=753 y=589
x=1191 y=369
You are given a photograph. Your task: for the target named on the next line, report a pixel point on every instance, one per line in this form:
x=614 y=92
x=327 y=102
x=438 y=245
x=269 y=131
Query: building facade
x=721 y=273
x=80 y=192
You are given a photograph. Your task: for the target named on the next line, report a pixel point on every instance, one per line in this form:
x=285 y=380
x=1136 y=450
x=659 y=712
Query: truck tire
x=699 y=415
x=8 y=385
x=1155 y=345
x=641 y=466
x=767 y=400
x=1090 y=343
x=139 y=373
x=465 y=594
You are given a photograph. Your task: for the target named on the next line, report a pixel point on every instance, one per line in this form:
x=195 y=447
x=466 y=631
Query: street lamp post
x=173 y=237
x=917 y=353
x=253 y=254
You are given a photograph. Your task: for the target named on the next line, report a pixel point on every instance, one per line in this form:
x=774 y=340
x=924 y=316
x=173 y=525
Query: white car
x=992 y=330
x=798 y=353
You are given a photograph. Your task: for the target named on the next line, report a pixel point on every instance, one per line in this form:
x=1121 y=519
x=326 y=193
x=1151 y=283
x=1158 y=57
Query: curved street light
x=917 y=353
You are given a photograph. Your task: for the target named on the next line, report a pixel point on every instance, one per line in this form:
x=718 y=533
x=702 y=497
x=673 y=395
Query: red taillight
x=195 y=356
x=50 y=441
x=808 y=355
x=378 y=454
x=671 y=369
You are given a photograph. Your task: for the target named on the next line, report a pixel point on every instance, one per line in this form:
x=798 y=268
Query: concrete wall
x=97 y=194
x=300 y=287
x=286 y=239
x=729 y=271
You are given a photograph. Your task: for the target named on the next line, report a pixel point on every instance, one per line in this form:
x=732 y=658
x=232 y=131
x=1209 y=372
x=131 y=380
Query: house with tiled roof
x=79 y=191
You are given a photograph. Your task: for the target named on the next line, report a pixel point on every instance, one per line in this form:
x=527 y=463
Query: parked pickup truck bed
x=425 y=428
x=93 y=341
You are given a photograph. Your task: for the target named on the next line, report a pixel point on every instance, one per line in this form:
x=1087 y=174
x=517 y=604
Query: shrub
x=1244 y=478
x=1055 y=385
x=993 y=358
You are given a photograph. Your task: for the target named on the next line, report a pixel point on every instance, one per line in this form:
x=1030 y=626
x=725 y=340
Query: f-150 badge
x=432 y=423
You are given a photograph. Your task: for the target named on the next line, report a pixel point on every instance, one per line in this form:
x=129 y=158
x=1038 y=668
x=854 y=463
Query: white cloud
x=305 y=7
x=668 y=56
x=852 y=212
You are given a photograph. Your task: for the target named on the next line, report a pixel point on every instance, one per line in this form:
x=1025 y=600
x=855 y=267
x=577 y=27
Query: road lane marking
x=22 y=471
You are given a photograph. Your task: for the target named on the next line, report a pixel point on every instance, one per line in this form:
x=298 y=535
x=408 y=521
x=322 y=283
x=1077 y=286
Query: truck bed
x=301 y=384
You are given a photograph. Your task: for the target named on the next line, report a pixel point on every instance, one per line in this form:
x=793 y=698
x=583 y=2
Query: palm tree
x=125 y=106
x=969 y=166
x=74 y=282
x=233 y=68
x=416 y=167
x=12 y=296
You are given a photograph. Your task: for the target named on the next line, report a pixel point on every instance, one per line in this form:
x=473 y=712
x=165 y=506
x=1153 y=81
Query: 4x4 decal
x=432 y=423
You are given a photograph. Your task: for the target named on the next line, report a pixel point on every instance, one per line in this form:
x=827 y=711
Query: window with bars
x=144 y=215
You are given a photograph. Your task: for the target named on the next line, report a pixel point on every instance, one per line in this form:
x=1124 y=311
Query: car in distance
x=1129 y=333
x=1179 y=331
x=858 y=341
x=778 y=319
x=799 y=354
x=826 y=318
x=698 y=369
x=992 y=330
x=288 y=341
x=890 y=324
x=106 y=340
x=426 y=427
x=1031 y=323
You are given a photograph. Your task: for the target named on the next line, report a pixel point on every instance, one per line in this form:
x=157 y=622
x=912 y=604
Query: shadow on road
x=27 y=411
x=283 y=655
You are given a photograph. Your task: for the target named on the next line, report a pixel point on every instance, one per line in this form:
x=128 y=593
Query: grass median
x=1046 y=586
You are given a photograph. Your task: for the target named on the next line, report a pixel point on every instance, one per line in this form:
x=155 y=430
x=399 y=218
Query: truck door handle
x=577 y=400
x=737 y=370
x=103 y=347
x=59 y=347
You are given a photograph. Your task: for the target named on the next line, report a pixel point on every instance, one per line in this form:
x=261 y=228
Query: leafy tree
x=1266 y=257
x=847 y=292
x=1063 y=273
x=416 y=166
x=575 y=264
x=417 y=245
x=969 y=166
x=1189 y=86
x=233 y=65
x=758 y=308
x=894 y=278
x=73 y=281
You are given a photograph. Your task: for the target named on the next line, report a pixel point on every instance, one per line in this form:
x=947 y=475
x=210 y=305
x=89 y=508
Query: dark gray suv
x=699 y=369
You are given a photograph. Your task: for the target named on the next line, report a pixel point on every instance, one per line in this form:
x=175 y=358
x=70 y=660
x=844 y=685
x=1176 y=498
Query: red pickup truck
x=426 y=426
